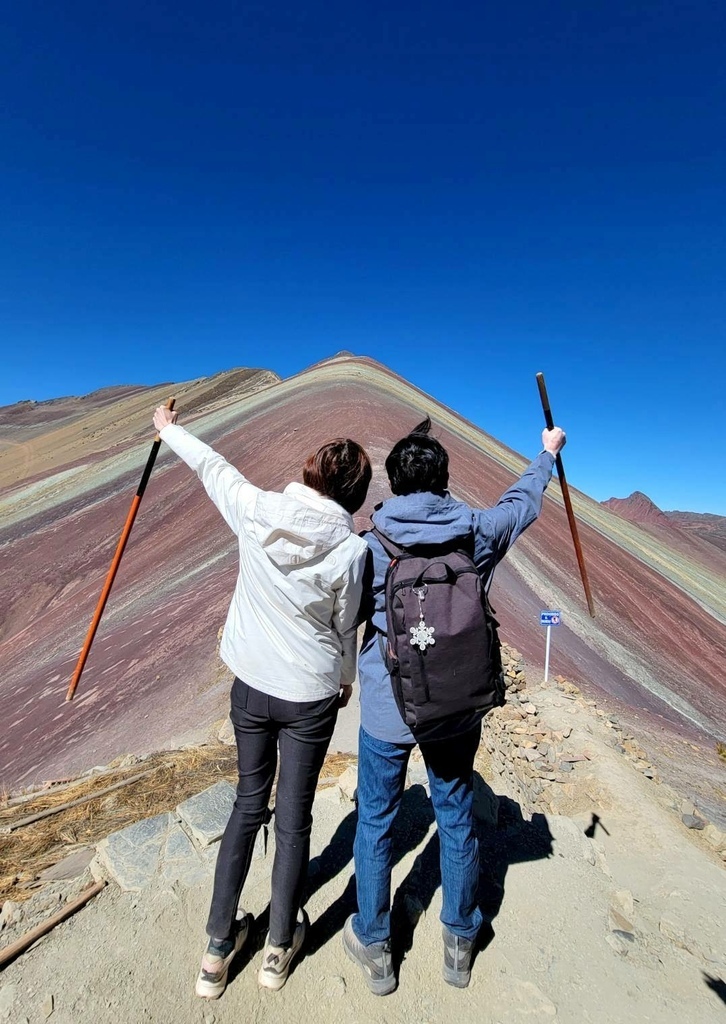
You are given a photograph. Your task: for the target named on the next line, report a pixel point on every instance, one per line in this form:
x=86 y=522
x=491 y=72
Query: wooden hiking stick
x=566 y=495
x=18 y=947
x=136 y=501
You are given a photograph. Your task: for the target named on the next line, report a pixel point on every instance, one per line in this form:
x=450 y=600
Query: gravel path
x=627 y=928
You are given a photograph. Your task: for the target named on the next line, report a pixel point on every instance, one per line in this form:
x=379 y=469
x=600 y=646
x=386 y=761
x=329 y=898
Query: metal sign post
x=549 y=619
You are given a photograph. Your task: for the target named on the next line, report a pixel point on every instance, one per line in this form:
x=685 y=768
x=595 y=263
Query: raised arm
x=230 y=491
x=496 y=529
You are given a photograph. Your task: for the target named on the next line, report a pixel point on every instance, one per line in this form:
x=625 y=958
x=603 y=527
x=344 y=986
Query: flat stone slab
x=70 y=867
x=206 y=814
x=180 y=861
x=132 y=856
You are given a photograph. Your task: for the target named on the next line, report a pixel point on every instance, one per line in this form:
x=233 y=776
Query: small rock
x=417 y=774
x=10 y=914
x=348 y=781
x=46 y=1007
x=226 y=733
x=529 y=708
x=566 y=766
x=691 y=821
x=567 y=732
x=330 y=795
x=714 y=837
x=620 y=924
x=623 y=901
x=335 y=986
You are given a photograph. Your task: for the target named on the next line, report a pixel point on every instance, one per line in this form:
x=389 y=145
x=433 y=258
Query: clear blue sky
x=468 y=192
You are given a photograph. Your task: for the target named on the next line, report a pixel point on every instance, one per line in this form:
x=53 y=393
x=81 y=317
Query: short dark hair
x=418 y=462
x=340 y=470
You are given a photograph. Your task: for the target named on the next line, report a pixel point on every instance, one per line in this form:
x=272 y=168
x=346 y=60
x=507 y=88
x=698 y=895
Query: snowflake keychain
x=421 y=635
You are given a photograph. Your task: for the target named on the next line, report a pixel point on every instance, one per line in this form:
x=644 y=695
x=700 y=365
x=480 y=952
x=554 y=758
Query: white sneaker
x=212 y=978
x=276 y=961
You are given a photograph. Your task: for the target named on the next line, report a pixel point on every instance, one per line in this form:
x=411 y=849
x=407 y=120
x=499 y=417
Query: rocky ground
x=605 y=893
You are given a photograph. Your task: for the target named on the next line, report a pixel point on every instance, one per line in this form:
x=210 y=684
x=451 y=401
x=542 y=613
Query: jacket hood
x=298 y=525
x=423 y=519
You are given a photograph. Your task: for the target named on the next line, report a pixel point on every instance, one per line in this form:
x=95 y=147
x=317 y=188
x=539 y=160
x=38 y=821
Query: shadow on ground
x=716 y=985
x=512 y=841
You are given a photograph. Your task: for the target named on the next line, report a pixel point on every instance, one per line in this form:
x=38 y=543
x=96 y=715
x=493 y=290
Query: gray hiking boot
x=457 y=959
x=373 y=960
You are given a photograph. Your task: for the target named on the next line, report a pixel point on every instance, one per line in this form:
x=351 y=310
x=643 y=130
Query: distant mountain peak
x=638 y=508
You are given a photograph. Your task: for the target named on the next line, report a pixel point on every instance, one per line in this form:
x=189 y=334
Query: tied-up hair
x=340 y=470
x=418 y=463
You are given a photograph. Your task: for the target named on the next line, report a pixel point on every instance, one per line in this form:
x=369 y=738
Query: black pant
x=303 y=731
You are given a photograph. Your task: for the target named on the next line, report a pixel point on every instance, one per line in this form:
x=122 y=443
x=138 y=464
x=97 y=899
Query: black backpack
x=443 y=651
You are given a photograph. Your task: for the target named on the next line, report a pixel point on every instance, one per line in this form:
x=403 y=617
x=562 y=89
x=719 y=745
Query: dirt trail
x=627 y=927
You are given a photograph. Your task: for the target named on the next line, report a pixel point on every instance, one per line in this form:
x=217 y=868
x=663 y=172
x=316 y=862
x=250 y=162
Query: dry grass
x=721 y=751
x=176 y=775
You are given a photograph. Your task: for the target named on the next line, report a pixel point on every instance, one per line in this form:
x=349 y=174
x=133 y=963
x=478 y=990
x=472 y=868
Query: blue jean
x=381 y=782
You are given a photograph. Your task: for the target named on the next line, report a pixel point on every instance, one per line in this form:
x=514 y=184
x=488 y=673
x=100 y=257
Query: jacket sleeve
x=231 y=492
x=346 y=615
x=496 y=529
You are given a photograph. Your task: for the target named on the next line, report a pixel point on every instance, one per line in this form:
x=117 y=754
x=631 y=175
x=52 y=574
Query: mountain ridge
x=656 y=647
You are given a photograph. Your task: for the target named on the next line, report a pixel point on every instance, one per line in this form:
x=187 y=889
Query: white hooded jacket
x=291 y=626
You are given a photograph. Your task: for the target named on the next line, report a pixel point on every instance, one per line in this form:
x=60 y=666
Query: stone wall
x=526 y=758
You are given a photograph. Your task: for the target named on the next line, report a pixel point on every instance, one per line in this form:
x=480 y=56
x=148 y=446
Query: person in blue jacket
x=423 y=512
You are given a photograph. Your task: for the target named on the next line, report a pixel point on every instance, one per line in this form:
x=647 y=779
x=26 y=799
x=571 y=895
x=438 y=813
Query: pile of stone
x=623 y=742
x=536 y=766
x=528 y=757
x=515 y=677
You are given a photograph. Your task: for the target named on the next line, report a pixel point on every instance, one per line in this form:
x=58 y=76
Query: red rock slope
x=658 y=645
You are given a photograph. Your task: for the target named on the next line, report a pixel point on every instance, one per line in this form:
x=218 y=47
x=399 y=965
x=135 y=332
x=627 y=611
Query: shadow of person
x=593 y=826
x=716 y=985
x=413 y=821
x=339 y=851
x=321 y=870
x=511 y=839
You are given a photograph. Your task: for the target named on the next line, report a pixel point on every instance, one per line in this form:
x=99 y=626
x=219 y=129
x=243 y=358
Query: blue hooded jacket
x=428 y=518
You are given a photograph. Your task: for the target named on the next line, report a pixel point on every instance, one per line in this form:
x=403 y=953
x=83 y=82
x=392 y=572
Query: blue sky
x=467 y=192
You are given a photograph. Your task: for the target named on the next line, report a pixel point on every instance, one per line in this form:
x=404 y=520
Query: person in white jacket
x=290 y=640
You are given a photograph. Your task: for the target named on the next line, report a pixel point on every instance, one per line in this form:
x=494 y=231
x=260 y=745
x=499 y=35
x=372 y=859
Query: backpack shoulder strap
x=391 y=549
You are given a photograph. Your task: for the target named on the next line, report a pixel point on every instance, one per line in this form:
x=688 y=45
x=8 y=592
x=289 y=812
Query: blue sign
x=550 y=618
